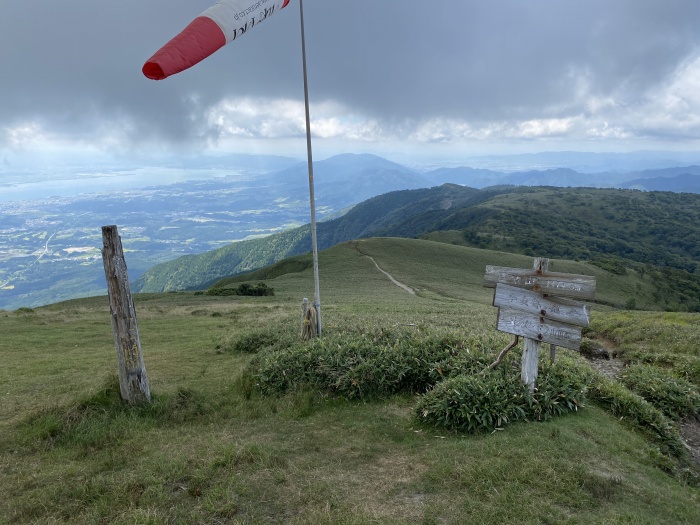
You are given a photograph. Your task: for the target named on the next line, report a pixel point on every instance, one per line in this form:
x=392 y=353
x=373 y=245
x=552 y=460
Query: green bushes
x=457 y=389
x=256 y=290
x=256 y=341
x=271 y=337
x=471 y=403
x=364 y=366
x=683 y=366
x=561 y=388
x=627 y=405
x=675 y=397
x=493 y=398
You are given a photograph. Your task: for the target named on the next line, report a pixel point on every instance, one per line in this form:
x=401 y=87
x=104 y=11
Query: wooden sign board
x=538 y=328
x=550 y=283
x=552 y=308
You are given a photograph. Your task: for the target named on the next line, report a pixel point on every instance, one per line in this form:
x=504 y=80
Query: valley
x=50 y=248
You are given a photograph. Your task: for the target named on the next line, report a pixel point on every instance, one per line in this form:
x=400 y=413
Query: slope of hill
x=683 y=183
x=583 y=223
x=434 y=270
x=370 y=218
x=50 y=249
x=193 y=272
x=211 y=448
x=617 y=229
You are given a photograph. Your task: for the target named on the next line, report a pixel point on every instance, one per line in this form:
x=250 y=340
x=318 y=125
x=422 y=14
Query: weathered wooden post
x=529 y=306
x=133 y=381
x=309 y=321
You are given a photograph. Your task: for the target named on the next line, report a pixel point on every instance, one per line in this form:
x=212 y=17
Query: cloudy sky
x=438 y=77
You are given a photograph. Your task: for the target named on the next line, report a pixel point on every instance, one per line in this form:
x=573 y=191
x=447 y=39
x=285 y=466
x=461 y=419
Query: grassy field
x=211 y=450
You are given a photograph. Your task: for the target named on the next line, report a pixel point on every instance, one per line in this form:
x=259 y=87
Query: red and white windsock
x=214 y=28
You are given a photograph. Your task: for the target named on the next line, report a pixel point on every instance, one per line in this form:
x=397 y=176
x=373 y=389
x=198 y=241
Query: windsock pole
x=312 y=200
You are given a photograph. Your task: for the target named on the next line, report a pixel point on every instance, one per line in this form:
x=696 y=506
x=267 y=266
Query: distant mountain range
x=585 y=161
x=685 y=179
x=50 y=249
x=683 y=183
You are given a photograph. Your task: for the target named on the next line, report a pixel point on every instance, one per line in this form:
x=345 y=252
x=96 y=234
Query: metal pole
x=312 y=200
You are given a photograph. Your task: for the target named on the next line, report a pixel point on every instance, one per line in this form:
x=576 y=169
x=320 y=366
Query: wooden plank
x=553 y=308
x=551 y=283
x=538 y=328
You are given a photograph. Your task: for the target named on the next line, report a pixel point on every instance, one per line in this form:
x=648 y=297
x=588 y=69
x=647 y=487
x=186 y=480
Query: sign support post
x=530 y=306
x=531 y=347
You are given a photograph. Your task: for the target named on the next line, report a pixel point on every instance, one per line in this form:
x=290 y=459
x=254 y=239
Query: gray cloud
x=73 y=67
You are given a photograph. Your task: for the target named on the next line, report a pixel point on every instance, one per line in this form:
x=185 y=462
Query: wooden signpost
x=531 y=306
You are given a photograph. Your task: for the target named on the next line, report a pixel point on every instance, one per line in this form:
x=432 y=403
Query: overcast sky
x=427 y=77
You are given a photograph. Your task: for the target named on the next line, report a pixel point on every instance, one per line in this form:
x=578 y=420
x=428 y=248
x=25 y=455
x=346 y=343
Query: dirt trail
x=603 y=357
x=391 y=278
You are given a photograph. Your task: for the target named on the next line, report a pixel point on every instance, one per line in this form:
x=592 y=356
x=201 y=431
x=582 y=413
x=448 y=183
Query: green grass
x=666 y=339
x=438 y=271
x=212 y=449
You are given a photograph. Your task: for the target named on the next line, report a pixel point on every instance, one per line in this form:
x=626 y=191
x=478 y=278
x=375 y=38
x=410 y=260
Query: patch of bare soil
x=690 y=432
x=602 y=355
x=610 y=368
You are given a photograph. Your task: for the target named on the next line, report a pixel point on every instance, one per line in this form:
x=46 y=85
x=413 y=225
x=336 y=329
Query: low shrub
x=688 y=367
x=459 y=392
x=491 y=399
x=472 y=403
x=675 y=397
x=253 y=342
x=365 y=365
x=256 y=290
x=561 y=387
x=625 y=404
x=24 y=310
x=683 y=366
x=273 y=337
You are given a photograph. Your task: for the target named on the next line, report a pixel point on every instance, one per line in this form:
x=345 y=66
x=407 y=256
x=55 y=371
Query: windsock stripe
x=197 y=41
x=214 y=28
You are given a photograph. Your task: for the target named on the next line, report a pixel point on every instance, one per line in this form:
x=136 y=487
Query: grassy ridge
x=212 y=450
x=439 y=270
x=669 y=339
x=619 y=230
x=198 y=271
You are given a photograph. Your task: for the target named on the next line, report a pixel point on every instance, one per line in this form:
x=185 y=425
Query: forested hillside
x=656 y=234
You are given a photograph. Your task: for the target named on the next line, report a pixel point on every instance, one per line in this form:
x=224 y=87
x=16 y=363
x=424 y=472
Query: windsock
x=222 y=23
